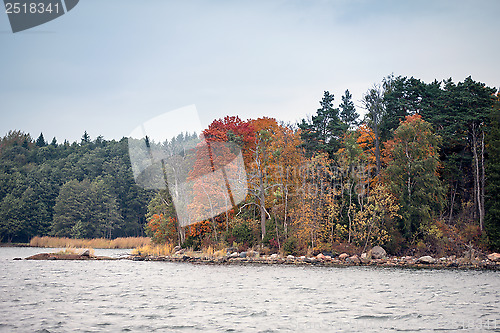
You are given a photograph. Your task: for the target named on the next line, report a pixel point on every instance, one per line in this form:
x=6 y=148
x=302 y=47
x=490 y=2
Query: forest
x=419 y=173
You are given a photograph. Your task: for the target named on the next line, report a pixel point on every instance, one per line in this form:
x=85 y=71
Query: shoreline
x=386 y=263
x=492 y=262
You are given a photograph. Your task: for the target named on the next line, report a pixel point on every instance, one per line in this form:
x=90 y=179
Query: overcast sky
x=109 y=65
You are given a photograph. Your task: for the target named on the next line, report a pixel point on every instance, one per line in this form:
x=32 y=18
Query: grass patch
x=168 y=250
x=96 y=243
x=155 y=249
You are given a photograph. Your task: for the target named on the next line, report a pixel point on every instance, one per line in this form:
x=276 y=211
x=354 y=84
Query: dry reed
x=155 y=249
x=96 y=243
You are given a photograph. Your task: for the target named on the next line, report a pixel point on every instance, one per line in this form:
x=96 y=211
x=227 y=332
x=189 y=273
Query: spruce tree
x=348 y=113
x=40 y=142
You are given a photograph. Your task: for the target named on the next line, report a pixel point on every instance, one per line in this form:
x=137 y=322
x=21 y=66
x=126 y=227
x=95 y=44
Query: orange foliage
x=161 y=229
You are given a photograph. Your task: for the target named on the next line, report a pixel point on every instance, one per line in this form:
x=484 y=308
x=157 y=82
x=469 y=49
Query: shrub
x=290 y=246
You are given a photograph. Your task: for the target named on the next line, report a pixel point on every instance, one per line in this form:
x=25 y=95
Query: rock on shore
x=344 y=260
x=64 y=256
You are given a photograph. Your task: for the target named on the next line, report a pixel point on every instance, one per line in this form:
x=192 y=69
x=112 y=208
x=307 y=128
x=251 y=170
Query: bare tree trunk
x=453 y=194
x=262 y=202
x=483 y=184
x=349 y=213
x=377 y=149
x=477 y=179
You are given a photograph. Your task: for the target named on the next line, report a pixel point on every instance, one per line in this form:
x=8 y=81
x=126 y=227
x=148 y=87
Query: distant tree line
x=82 y=189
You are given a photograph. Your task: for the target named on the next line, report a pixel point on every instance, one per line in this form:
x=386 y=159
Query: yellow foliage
x=369 y=224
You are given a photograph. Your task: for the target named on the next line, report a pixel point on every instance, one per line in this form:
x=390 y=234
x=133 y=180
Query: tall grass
x=155 y=249
x=168 y=250
x=96 y=243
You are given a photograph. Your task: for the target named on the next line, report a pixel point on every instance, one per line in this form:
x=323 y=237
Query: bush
x=290 y=246
x=192 y=242
x=242 y=232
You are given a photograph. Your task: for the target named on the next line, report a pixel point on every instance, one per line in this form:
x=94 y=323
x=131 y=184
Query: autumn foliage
x=304 y=199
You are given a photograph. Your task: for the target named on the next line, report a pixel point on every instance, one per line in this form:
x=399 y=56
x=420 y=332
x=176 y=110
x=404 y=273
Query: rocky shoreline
x=374 y=258
x=492 y=262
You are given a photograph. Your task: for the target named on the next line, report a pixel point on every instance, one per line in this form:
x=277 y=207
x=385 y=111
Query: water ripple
x=113 y=296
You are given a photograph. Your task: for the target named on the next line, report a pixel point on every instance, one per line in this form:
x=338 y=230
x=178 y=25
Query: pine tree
x=85 y=138
x=40 y=142
x=324 y=131
x=348 y=113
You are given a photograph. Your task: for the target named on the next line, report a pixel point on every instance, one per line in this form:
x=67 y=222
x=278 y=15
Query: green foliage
x=243 y=233
x=32 y=174
x=412 y=165
x=290 y=246
x=348 y=114
x=85 y=210
x=323 y=131
x=492 y=220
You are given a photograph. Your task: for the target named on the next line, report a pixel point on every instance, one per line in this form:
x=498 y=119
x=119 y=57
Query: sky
x=106 y=67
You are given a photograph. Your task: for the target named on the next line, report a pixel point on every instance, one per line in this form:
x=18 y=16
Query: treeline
x=80 y=190
x=419 y=173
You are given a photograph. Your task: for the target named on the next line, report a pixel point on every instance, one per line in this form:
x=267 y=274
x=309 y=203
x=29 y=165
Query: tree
x=373 y=102
x=492 y=219
x=85 y=210
x=40 y=142
x=371 y=223
x=323 y=132
x=53 y=143
x=260 y=181
x=412 y=163
x=85 y=137
x=461 y=112
x=348 y=114
x=352 y=178
x=313 y=210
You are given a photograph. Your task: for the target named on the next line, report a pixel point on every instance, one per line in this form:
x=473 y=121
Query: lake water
x=135 y=296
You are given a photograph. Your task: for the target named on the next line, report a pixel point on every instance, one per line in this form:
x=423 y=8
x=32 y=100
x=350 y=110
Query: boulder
x=354 y=259
x=234 y=255
x=494 y=257
x=243 y=255
x=426 y=260
x=364 y=258
x=377 y=252
x=274 y=256
x=290 y=257
x=343 y=256
x=321 y=256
